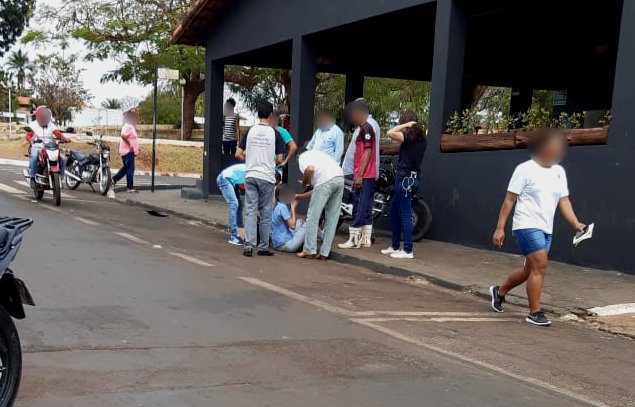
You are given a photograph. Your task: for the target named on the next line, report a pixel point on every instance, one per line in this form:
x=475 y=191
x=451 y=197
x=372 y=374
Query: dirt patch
x=169 y=158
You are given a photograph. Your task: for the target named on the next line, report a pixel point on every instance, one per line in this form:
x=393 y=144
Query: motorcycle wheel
x=57 y=192
x=421 y=219
x=72 y=183
x=104 y=180
x=10 y=359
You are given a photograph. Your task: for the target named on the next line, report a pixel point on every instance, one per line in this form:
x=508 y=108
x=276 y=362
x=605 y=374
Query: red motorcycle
x=47 y=176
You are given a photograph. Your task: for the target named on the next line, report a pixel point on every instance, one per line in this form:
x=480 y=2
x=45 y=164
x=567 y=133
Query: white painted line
x=612 y=310
x=191 y=259
x=423 y=314
x=441 y=319
x=303 y=298
x=11 y=190
x=488 y=366
x=86 y=221
x=62 y=194
x=132 y=238
x=448 y=353
x=19 y=163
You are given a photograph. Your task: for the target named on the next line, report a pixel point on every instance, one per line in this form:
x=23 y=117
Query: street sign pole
x=154 y=124
x=10 y=112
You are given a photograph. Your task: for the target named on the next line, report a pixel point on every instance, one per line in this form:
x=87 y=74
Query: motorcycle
x=384 y=192
x=90 y=169
x=13 y=294
x=47 y=176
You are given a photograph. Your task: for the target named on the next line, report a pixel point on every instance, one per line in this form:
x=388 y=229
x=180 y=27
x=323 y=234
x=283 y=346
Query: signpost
x=160 y=73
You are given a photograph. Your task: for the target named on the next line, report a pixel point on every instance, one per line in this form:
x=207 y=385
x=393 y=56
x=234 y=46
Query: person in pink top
x=128 y=149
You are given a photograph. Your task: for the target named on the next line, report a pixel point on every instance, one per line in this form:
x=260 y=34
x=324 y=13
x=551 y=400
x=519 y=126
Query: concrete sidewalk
x=568 y=289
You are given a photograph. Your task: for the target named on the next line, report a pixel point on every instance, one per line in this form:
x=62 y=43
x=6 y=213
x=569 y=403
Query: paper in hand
x=586 y=234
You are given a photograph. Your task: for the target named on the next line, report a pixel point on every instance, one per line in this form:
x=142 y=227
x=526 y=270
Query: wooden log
x=454 y=143
x=517 y=140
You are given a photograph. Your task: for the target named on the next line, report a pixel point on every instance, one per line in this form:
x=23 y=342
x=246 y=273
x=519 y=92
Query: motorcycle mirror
x=28 y=129
x=89 y=133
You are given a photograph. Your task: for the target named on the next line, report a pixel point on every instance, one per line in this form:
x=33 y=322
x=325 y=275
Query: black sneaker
x=265 y=253
x=497 y=300
x=248 y=252
x=538 y=318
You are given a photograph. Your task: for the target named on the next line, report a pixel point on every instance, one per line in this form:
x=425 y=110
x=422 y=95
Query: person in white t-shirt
x=326 y=178
x=538 y=187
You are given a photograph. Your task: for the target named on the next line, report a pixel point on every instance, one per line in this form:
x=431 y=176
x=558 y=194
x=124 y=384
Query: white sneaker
x=389 y=251
x=402 y=255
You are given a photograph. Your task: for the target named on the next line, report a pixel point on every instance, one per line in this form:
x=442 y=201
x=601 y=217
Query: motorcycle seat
x=77 y=156
x=4 y=239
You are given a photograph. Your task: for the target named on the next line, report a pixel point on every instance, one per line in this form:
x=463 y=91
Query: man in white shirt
x=328 y=137
x=347 y=165
x=327 y=179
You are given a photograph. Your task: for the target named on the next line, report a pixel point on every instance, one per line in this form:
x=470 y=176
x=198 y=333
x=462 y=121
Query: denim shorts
x=532 y=240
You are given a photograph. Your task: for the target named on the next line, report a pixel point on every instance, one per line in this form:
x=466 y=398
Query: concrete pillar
x=354 y=87
x=623 y=122
x=303 y=80
x=212 y=150
x=447 y=68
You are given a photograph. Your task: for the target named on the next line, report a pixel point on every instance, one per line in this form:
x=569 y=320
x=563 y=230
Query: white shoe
x=367 y=234
x=402 y=255
x=354 y=240
x=389 y=251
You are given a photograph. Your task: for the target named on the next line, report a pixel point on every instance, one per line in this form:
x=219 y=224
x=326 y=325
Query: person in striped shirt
x=231 y=129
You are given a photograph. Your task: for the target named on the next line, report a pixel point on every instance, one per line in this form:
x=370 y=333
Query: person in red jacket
x=43 y=131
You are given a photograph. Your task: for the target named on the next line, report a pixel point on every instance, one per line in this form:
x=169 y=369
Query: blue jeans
x=532 y=240
x=363 y=203
x=33 y=162
x=258 y=200
x=294 y=244
x=234 y=203
x=401 y=213
x=127 y=170
x=229 y=147
x=326 y=198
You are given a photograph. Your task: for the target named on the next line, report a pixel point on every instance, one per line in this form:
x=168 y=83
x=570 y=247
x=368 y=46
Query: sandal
x=321 y=257
x=305 y=255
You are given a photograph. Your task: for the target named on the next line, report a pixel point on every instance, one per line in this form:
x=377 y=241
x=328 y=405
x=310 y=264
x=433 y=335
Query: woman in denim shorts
x=537 y=188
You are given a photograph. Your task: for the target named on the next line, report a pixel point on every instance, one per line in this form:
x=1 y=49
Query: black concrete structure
x=586 y=47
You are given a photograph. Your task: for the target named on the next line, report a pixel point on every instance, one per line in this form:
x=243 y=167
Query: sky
x=92 y=71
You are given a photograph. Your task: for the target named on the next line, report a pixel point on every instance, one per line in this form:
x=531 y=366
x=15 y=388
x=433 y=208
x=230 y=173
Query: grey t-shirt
x=261 y=145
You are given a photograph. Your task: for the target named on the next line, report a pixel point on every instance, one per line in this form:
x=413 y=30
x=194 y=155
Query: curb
x=380 y=267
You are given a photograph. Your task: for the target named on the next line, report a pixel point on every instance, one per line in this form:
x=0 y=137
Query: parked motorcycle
x=47 y=176
x=90 y=169
x=13 y=294
x=384 y=192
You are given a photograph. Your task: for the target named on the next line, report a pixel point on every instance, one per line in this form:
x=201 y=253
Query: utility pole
x=10 y=114
x=182 y=82
x=154 y=123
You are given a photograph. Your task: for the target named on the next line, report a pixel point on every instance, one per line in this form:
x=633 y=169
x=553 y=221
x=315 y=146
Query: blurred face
x=554 y=150
x=43 y=117
x=358 y=117
x=131 y=118
x=228 y=108
x=286 y=196
x=323 y=121
x=274 y=121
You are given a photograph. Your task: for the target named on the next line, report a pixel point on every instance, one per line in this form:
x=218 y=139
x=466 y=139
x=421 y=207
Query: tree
x=168 y=108
x=14 y=16
x=6 y=83
x=111 y=104
x=57 y=85
x=137 y=34
x=20 y=65
x=128 y=102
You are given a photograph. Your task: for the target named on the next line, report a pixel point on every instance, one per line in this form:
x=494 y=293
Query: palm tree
x=19 y=64
x=111 y=104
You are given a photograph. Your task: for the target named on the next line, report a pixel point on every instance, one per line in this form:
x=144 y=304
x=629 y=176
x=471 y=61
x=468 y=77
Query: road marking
x=441 y=319
x=11 y=190
x=405 y=338
x=425 y=314
x=191 y=259
x=51 y=208
x=62 y=194
x=303 y=298
x=132 y=238
x=479 y=363
x=87 y=221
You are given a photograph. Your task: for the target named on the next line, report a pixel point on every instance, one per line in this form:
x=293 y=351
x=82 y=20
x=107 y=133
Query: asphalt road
x=134 y=310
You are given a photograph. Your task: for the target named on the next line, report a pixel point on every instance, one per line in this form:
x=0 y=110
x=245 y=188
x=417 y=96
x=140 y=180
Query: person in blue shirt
x=229 y=181
x=328 y=137
x=288 y=231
